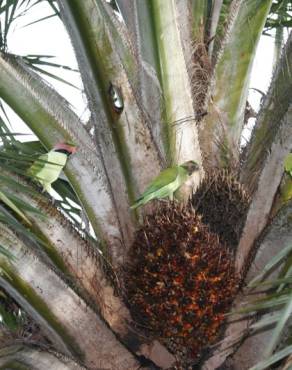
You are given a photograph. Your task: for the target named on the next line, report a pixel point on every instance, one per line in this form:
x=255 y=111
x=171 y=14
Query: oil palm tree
x=166 y=84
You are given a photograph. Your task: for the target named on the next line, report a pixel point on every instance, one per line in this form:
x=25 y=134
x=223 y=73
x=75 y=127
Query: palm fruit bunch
x=180 y=280
x=223 y=202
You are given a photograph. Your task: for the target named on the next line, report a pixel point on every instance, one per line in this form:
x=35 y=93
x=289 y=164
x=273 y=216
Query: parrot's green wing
x=164 y=178
x=47 y=168
x=164 y=185
x=38 y=165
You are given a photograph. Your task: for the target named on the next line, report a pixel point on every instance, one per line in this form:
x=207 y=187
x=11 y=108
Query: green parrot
x=167 y=182
x=47 y=168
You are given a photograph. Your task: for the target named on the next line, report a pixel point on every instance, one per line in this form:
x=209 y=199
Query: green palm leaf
x=5 y=199
x=273 y=359
x=273 y=262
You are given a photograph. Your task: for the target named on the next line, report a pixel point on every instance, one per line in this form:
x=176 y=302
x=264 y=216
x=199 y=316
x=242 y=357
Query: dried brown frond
x=200 y=73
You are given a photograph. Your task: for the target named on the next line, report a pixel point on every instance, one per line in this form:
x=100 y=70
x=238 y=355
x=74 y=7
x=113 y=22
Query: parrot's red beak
x=71 y=149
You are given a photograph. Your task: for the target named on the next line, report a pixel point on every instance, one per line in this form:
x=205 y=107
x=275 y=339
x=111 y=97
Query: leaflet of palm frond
x=5 y=252
x=54 y=76
x=12 y=134
x=6 y=180
x=52 y=3
x=40 y=20
x=272 y=263
x=34 y=147
x=14 y=9
x=38 y=59
x=5 y=134
x=5 y=199
x=24 y=205
x=7 y=218
x=22 y=161
x=273 y=359
x=64 y=189
x=9 y=319
x=272 y=283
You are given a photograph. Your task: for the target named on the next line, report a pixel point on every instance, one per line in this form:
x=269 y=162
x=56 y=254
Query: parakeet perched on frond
x=47 y=168
x=167 y=182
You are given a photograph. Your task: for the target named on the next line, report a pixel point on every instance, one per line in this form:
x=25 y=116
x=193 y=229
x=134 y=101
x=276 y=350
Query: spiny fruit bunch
x=180 y=280
x=223 y=202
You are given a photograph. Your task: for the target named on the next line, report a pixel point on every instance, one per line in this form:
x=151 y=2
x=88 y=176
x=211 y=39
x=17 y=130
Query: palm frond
x=5 y=134
x=12 y=205
x=8 y=319
x=34 y=61
x=37 y=59
x=11 y=10
x=53 y=5
x=273 y=359
x=272 y=264
x=40 y=20
x=52 y=75
x=277 y=332
x=280 y=15
x=278 y=302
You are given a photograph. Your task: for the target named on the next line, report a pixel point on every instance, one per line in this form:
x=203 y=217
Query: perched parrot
x=167 y=182
x=47 y=168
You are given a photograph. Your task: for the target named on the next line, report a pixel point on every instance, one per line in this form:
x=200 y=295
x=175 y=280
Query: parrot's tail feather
x=47 y=187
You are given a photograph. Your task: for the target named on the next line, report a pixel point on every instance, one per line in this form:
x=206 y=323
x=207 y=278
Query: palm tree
x=167 y=84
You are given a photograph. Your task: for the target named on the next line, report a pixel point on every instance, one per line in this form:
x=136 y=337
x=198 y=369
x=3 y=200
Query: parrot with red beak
x=47 y=168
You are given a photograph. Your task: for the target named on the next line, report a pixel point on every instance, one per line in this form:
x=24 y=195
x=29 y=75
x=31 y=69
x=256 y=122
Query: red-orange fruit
x=180 y=280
